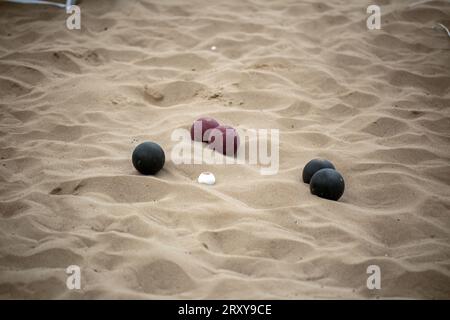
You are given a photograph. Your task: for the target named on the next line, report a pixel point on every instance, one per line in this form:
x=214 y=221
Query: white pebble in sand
x=206 y=178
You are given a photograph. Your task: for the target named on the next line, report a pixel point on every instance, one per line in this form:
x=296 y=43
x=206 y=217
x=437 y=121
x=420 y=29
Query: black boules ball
x=313 y=166
x=148 y=158
x=328 y=184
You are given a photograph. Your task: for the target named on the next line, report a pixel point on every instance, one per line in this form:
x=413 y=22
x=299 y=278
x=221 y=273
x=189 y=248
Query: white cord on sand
x=61 y=5
x=445 y=28
x=423 y=2
x=419 y=3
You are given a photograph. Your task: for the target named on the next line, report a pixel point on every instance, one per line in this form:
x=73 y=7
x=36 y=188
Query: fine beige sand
x=74 y=104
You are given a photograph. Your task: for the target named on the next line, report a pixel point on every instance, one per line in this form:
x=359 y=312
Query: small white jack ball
x=206 y=178
x=213 y=48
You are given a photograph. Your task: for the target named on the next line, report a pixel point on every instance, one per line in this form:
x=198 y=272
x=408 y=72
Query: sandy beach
x=75 y=103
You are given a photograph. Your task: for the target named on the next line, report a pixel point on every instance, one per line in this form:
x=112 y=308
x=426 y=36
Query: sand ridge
x=74 y=104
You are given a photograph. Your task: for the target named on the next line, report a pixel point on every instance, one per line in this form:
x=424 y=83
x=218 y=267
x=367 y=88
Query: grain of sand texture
x=74 y=104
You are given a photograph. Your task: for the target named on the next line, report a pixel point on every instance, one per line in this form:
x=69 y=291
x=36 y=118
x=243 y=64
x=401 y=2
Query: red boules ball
x=201 y=126
x=224 y=139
